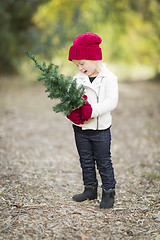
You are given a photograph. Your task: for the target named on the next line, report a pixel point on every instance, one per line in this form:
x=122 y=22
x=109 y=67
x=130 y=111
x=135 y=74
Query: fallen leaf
x=83 y=236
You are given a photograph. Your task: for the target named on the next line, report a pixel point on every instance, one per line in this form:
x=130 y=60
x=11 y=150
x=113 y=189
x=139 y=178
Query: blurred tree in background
x=133 y=31
x=17 y=31
x=130 y=30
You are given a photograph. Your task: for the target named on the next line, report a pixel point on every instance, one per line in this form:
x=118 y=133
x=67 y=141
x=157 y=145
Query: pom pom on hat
x=86 y=46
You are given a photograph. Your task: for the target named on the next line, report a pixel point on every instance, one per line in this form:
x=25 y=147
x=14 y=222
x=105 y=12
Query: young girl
x=92 y=122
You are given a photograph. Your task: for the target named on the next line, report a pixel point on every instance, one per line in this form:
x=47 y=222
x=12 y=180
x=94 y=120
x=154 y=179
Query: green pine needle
x=60 y=86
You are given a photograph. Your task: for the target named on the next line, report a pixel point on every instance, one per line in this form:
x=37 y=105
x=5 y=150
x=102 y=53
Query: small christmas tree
x=60 y=86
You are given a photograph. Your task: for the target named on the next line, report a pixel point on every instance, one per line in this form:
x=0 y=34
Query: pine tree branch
x=60 y=86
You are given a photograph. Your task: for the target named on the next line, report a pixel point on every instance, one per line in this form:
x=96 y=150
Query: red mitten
x=75 y=116
x=86 y=110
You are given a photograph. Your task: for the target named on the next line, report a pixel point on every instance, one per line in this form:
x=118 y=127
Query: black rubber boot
x=89 y=193
x=107 y=198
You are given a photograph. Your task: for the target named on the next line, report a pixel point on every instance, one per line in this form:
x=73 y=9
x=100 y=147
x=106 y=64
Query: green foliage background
x=130 y=30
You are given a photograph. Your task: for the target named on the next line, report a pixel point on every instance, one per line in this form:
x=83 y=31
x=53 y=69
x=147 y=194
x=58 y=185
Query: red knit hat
x=86 y=46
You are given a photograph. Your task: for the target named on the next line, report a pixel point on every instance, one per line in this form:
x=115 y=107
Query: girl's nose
x=80 y=67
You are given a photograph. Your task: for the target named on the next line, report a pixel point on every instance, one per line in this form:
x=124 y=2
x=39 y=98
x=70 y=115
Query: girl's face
x=87 y=67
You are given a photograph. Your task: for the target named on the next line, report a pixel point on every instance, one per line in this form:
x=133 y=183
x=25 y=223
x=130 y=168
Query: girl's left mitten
x=86 y=110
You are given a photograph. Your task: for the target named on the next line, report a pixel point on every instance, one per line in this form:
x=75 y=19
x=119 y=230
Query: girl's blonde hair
x=98 y=64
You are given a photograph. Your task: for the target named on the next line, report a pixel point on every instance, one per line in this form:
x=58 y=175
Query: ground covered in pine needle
x=39 y=168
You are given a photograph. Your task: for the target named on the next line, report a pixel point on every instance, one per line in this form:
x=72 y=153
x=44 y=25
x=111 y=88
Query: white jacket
x=102 y=94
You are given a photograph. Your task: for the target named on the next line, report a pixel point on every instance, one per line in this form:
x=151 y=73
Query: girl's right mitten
x=75 y=116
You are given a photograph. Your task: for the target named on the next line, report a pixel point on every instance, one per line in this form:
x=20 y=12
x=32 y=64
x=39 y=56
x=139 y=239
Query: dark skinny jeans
x=94 y=149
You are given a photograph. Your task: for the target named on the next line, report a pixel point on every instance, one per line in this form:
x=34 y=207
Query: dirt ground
x=40 y=168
